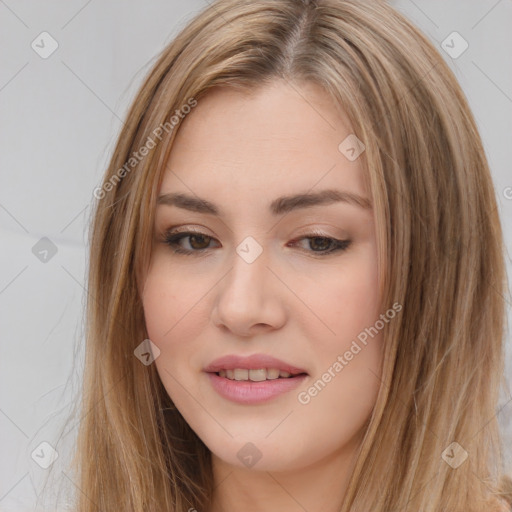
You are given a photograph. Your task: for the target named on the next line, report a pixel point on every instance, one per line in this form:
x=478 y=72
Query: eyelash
x=173 y=238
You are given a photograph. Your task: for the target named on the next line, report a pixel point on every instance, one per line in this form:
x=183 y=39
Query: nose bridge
x=246 y=297
x=248 y=273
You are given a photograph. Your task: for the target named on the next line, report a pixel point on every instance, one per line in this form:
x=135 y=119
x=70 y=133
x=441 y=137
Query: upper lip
x=253 y=362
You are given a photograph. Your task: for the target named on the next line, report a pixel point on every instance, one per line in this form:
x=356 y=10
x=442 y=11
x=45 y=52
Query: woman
x=296 y=276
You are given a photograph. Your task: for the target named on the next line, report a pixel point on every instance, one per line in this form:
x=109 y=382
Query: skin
x=239 y=152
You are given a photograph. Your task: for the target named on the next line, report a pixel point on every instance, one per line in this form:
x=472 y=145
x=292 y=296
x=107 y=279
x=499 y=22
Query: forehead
x=259 y=145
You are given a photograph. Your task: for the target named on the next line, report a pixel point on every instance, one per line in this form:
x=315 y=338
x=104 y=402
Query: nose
x=250 y=298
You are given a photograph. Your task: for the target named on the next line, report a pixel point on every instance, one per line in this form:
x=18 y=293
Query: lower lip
x=250 y=392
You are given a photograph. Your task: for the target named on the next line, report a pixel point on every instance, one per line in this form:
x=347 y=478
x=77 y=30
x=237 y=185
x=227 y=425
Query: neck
x=319 y=487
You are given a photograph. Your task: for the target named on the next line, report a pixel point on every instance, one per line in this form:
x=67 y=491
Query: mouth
x=253 y=379
x=257 y=374
x=256 y=368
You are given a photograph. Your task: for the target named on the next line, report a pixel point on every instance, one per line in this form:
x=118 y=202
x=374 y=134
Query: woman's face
x=264 y=276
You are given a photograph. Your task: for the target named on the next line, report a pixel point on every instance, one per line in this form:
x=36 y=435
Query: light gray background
x=60 y=118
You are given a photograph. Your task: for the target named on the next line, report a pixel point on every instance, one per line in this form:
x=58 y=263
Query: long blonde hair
x=440 y=256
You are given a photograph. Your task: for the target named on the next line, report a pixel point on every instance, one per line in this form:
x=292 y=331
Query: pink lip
x=254 y=362
x=248 y=392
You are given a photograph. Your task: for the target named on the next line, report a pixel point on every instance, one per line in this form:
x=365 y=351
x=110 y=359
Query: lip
x=253 y=362
x=251 y=392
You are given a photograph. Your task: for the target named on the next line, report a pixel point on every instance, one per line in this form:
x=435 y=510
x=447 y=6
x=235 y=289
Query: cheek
x=342 y=393
x=352 y=352
x=339 y=409
x=347 y=299
x=174 y=309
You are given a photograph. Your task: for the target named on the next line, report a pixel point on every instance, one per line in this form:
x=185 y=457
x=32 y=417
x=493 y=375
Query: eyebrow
x=278 y=206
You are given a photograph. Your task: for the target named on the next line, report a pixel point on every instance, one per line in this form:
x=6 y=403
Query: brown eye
x=320 y=243
x=197 y=242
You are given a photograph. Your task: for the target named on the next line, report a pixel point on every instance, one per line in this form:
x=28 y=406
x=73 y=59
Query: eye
x=323 y=245
x=198 y=243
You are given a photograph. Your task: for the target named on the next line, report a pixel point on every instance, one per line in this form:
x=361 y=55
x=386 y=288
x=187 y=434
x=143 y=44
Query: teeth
x=257 y=375
x=241 y=374
x=272 y=373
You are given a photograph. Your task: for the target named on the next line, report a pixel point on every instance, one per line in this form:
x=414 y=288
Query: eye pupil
x=200 y=237
x=315 y=240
